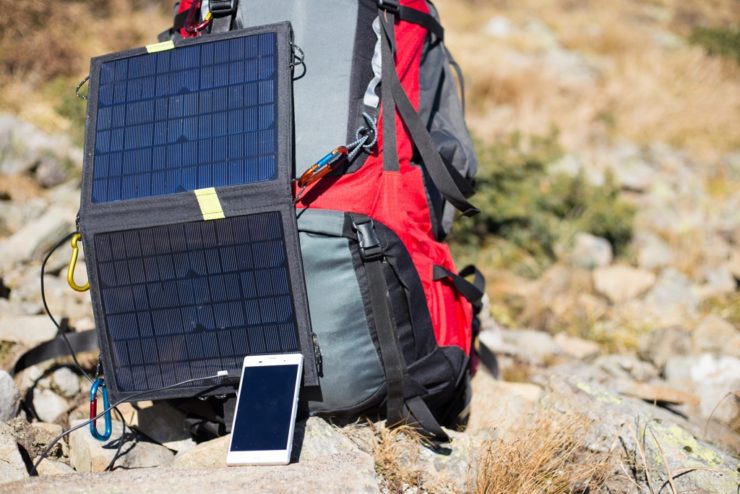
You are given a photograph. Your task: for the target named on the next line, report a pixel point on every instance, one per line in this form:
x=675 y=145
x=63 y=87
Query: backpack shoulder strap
x=448 y=180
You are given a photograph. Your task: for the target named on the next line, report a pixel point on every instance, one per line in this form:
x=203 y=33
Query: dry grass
x=396 y=453
x=647 y=82
x=545 y=455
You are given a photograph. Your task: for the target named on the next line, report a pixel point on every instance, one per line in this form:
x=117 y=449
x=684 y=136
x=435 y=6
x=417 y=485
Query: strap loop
x=473 y=292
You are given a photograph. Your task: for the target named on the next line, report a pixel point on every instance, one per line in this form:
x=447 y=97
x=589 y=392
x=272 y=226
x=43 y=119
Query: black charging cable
x=60 y=331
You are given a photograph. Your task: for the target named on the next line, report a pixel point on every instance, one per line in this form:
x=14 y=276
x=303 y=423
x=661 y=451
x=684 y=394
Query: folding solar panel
x=186 y=212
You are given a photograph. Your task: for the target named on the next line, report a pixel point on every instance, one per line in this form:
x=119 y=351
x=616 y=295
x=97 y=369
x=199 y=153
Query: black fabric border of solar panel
x=187 y=300
x=194 y=117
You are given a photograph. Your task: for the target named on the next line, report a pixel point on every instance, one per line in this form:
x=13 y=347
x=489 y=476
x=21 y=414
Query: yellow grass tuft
x=545 y=455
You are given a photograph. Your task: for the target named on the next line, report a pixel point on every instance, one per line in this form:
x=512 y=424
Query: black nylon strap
x=385 y=328
x=425 y=20
x=388 y=64
x=82 y=341
x=420 y=412
x=221 y=24
x=473 y=292
x=451 y=184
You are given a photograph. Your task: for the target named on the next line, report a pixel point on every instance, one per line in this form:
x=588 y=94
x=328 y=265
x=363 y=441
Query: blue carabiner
x=99 y=383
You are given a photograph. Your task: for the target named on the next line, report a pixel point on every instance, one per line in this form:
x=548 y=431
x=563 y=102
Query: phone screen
x=264 y=409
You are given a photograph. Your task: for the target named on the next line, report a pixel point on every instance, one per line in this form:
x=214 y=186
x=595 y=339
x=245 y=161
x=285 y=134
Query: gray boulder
x=673 y=300
x=654 y=441
x=529 y=345
x=621 y=283
x=590 y=251
x=8 y=397
x=87 y=454
x=49 y=406
x=12 y=467
x=27 y=330
x=652 y=252
x=625 y=366
x=165 y=425
x=717 y=336
x=36 y=237
x=66 y=382
x=659 y=345
x=323 y=460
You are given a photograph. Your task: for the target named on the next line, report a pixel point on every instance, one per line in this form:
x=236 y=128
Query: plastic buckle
x=221 y=8
x=367 y=237
x=99 y=383
x=389 y=5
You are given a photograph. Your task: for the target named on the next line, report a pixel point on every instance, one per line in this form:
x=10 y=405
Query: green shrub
x=526 y=211
x=718 y=41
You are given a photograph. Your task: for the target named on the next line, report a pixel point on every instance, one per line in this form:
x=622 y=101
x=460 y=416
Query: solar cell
x=203 y=115
x=187 y=300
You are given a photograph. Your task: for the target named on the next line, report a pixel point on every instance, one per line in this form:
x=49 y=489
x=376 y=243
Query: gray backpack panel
x=325 y=31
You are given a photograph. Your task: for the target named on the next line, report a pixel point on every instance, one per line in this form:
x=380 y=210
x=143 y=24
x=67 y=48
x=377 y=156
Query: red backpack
x=393 y=319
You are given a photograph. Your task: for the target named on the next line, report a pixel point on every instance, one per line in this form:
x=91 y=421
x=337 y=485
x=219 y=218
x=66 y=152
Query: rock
x=51 y=172
x=293 y=479
x=323 y=459
x=677 y=371
x=51 y=468
x=37 y=237
x=625 y=366
x=8 y=397
x=643 y=431
x=23 y=147
x=657 y=394
x=208 y=454
x=448 y=472
x=634 y=175
x=577 y=347
x=660 y=345
x=165 y=425
x=718 y=384
x=652 y=252
x=12 y=466
x=27 y=330
x=499 y=405
x=590 y=251
x=48 y=405
x=717 y=336
x=718 y=281
x=87 y=454
x=499 y=27
x=672 y=300
x=528 y=345
x=43 y=433
x=622 y=283
x=66 y=382
x=146 y=455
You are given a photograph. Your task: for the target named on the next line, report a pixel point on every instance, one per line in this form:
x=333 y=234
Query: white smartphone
x=264 y=419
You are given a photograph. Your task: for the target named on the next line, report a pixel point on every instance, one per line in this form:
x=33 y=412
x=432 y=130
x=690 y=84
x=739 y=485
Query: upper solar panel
x=193 y=117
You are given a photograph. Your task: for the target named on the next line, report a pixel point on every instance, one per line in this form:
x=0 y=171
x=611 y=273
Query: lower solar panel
x=187 y=300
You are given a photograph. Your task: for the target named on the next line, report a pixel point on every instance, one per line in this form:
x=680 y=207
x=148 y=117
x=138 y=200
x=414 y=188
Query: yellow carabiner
x=71 y=268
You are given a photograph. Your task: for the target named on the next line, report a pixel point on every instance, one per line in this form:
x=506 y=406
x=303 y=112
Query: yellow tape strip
x=210 y=205
x=163 y=46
